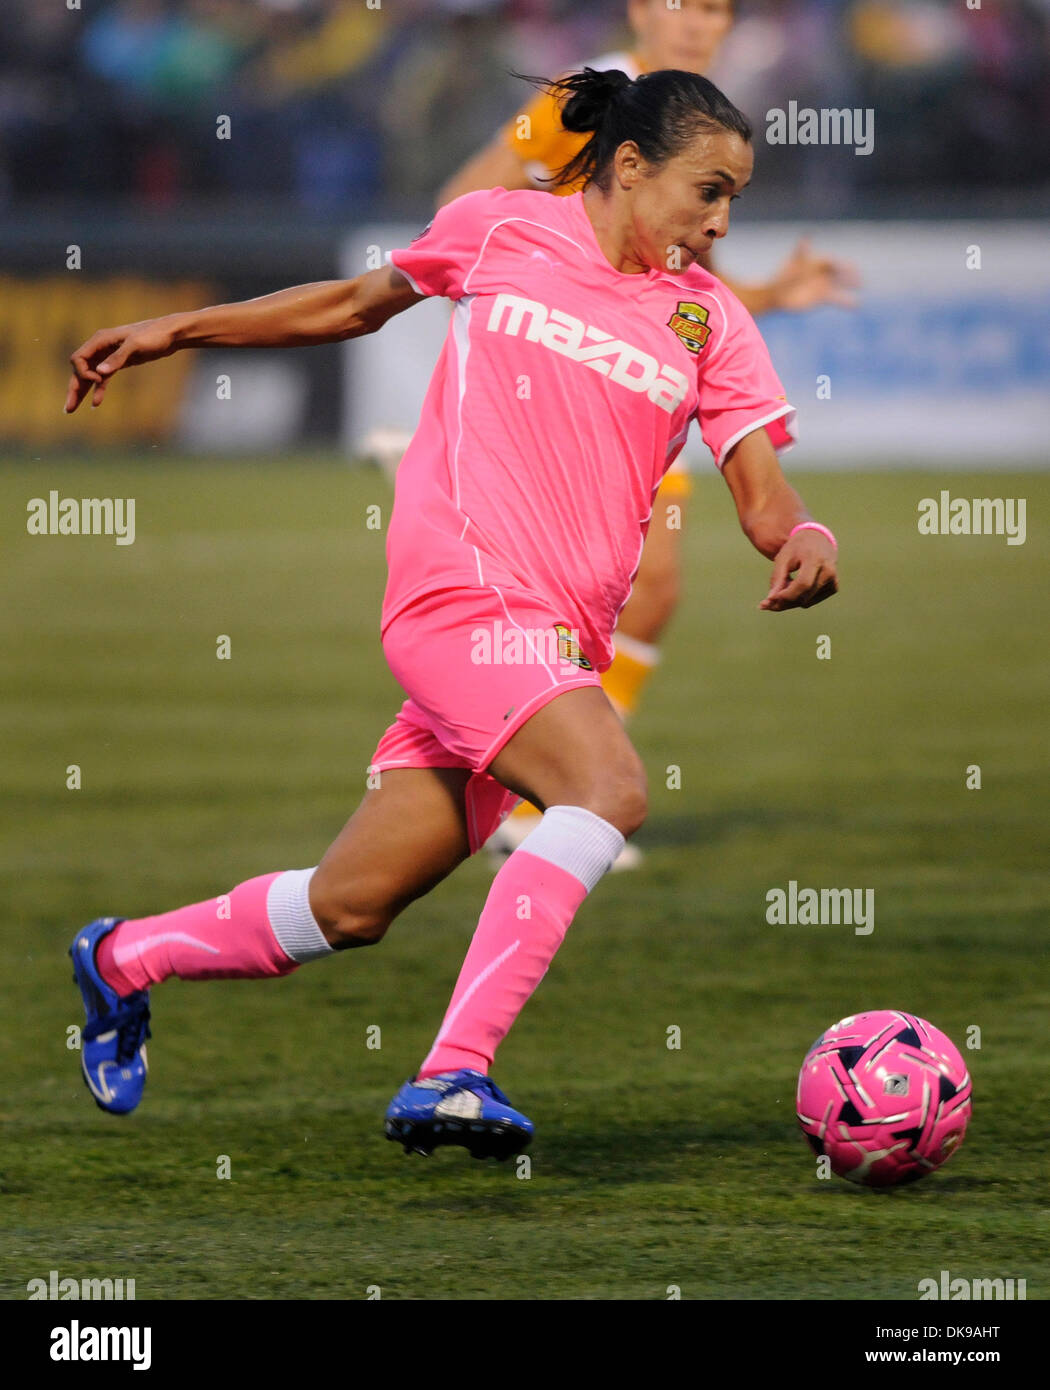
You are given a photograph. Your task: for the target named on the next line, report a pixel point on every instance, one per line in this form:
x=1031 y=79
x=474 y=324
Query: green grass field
x=651 y=1167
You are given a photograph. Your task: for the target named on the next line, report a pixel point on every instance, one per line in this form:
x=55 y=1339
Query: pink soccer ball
x=885 y=1096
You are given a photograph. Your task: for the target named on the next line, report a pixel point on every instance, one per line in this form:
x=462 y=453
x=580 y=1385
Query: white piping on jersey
x=461 y=335
x=411 y=281
x=681 y=435
x=540 y=661
x=751 y=426
x=529 y=223
x=637 y=563
x=461 y=312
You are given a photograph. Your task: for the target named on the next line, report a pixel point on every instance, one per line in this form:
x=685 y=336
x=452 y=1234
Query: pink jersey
x=563 y=392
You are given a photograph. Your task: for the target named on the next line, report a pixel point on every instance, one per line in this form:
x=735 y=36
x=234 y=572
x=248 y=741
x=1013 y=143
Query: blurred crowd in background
x=331 y=101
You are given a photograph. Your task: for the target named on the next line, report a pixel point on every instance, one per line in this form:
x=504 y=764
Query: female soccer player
x=531 y=150
x=573 y=365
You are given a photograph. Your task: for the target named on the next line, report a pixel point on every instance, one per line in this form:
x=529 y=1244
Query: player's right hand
x=110 y=349
x=808 y=279
x=805 y=572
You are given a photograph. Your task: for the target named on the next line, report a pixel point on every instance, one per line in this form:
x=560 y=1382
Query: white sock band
x=645 y=653
x=577 y=841
x=292 y=922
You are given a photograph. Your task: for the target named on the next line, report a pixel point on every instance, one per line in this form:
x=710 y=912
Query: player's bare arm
x=805 y=571
x=328 y=311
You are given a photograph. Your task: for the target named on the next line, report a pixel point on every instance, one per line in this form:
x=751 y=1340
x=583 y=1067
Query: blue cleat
x=457 y=1107
x=113 y=1043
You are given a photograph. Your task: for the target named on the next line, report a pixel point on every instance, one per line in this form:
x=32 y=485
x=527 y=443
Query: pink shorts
x=476 y=664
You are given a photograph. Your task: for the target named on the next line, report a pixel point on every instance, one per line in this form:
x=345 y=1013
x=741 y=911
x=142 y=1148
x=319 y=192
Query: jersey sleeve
x=438 y=261
x=740 y=391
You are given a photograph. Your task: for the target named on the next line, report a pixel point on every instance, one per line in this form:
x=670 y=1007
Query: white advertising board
x=944 y=363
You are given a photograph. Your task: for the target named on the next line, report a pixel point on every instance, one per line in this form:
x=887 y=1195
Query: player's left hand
x=807 y=279
x=809 y=557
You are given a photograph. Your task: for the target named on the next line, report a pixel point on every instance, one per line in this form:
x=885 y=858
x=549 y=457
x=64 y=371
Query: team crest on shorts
x=569 y=648
x=689 y=321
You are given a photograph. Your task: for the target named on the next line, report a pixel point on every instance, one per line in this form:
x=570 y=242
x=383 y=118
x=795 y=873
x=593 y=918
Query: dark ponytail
x=660 y=111
x=587 y=95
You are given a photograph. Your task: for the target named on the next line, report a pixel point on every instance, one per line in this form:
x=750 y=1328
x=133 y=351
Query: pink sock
x=262 y=928
x=530 y=905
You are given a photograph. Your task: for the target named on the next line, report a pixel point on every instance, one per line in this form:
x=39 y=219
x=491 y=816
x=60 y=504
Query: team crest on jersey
x=569 y=648
x=689 y=321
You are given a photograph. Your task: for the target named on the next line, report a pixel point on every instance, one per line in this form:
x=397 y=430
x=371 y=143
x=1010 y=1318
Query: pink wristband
x=814 y=526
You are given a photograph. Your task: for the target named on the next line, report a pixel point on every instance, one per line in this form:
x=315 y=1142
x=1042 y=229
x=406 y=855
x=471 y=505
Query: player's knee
x=623 y=798
x=350 y=928
x=347 y=917
x=632 y=808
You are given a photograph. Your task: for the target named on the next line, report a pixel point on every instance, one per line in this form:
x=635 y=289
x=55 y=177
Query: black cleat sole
x=481 y=1141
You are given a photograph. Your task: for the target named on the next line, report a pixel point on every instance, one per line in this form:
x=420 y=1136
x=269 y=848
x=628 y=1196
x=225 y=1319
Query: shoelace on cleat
x=481 y=1083
x=131 y=1023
